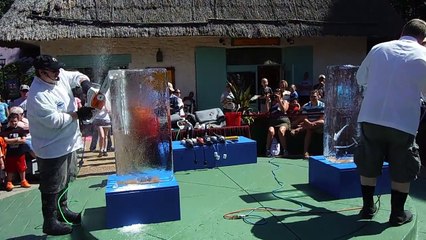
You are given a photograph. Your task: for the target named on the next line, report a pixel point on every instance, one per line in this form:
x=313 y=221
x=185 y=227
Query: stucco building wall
x=180 y=52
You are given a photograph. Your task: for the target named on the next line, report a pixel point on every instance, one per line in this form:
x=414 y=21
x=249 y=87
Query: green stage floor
x=206 y=195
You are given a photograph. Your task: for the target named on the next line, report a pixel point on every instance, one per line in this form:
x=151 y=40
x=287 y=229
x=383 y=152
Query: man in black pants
x=391 y=71
x=56 y=137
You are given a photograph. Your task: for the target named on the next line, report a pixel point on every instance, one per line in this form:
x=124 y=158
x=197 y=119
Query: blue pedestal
x=197 y=157
x=341 y=180
x=141 y=203
x=243 y=151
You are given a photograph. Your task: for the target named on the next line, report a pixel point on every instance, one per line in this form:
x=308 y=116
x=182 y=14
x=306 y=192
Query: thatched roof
x=56 y=19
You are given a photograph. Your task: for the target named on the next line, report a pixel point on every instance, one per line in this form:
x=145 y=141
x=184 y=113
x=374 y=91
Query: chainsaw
x=96 y=95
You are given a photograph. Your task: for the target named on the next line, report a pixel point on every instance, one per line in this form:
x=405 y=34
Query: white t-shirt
x=103 y=114
x=54 y=132
x=394 y=74
x=181 y=107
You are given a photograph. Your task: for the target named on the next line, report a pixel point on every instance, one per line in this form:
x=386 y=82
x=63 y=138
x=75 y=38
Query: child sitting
x=293 y=107
x=15 y=156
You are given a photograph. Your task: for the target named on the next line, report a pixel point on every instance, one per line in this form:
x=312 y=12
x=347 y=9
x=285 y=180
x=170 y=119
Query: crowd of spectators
x=285 y=112
x=15 y=140
x=287 y=115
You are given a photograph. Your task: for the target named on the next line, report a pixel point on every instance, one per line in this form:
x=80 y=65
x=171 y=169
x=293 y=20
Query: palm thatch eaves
x=36 y=20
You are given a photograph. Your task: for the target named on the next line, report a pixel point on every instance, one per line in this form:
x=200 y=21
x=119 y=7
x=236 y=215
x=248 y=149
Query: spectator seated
x=310 y=122
x=295 y=143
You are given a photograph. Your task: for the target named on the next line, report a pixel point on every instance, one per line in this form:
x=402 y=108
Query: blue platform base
x=341 y=180
x=243 y=151
x=128 y=202
x=198 y=157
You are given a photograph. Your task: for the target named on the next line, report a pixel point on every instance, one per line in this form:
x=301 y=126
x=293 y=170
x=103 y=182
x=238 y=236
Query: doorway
x=271 y=72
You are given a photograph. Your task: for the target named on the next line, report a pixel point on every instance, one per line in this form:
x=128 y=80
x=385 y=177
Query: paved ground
x=208 y=194
x=94 y=166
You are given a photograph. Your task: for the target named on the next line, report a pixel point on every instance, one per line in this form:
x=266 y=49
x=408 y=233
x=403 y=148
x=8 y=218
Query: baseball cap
x=24 y=87
x=47 y=62
x=321 y=76
x=17 y=110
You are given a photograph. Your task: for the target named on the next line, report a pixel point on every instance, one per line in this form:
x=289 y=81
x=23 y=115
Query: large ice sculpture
x=343 y=98
x=141 y=125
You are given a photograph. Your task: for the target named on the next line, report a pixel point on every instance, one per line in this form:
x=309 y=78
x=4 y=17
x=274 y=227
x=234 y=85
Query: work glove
x=85 y=113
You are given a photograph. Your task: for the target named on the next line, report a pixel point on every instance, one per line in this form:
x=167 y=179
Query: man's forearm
x=318 y=122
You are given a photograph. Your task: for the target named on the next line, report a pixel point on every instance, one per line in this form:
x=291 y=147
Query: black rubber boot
x=51 y=225
x=398 y=215
x=369 y=209
x=69 y=215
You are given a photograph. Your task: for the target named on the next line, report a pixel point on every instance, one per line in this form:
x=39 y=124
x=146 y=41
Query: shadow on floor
x=95 y=174
x=28 y=237
x=100 y=185
x=317 y=226
x=302 y=190
x=417 y=188
x=94 y=219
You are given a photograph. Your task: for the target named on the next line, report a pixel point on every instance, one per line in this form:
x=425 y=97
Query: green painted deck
x=206 y=195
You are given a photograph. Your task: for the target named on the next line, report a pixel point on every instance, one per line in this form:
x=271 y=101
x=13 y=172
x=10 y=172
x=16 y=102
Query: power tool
x=96 y=94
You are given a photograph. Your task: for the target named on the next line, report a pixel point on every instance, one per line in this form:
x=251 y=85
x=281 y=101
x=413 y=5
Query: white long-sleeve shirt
x=394 y=74
x=54 y=132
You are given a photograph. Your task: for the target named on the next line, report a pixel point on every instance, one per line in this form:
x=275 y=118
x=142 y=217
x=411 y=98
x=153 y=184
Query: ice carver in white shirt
x=394 y=75
x=56 y=137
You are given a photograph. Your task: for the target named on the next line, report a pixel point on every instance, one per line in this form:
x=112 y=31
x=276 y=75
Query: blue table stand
x=341 y=180
x=130 y=202
x=241 y=151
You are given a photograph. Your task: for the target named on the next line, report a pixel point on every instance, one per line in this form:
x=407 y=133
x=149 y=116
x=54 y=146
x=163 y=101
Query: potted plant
x=242 y=98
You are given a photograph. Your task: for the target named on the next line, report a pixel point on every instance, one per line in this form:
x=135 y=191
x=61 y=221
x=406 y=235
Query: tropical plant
x=242 y=97
x=20 y=71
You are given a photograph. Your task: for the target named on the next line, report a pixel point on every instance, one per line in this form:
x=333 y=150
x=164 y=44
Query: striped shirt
x=314 y=111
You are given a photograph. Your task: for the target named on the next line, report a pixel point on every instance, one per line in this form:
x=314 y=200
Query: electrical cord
x=204 y=154
x=177 y=135
x=80 y=165
x=237 y=214
x=247 y=218
x=247 y=213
